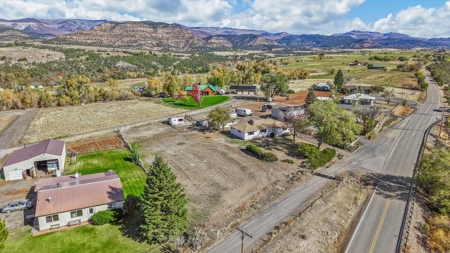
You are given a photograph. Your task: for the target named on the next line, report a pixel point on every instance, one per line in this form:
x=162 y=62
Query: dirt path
x=17 y=130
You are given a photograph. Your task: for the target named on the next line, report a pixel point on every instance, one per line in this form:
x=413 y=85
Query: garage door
x=15 y=175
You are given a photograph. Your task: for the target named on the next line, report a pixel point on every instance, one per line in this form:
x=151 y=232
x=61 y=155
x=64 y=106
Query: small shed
x=179 y=121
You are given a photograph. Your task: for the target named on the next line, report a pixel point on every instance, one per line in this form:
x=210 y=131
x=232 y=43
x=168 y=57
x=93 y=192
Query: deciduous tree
x=275 y=85
x=164 y=212
x=334 y=125
x=219 y=116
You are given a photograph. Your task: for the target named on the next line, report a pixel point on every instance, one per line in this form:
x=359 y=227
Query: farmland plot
x=60 y=122
x=220 y=180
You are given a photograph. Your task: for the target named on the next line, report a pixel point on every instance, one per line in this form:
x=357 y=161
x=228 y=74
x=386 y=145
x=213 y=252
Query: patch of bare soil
x=418 y=234
x=106 y=143
x=225 y=185
x=299 y=97
x=58 y=122
x=322 y=227
x=403 y=110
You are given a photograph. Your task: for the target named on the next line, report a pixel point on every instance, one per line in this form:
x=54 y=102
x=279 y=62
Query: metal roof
x=82 y=192
x=53 y=147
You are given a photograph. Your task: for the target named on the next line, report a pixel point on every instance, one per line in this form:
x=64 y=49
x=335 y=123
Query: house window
x=251 y=133
x=112 y=205
x=91 y=210
x=77 y=213
x=263 y=130
x=52 y=218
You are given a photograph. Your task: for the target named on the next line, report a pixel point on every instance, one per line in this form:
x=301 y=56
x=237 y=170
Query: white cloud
x=294 y=16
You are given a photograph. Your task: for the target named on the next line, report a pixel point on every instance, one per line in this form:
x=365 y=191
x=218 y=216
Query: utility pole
x=442 y=120
x=243 y=234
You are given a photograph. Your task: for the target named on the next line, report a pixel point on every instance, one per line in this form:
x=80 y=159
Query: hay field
x=60 y=122
x=32 y=54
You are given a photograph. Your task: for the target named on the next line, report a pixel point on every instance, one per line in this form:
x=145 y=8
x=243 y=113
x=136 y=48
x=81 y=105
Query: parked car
x=243 y=112
x=16 y=206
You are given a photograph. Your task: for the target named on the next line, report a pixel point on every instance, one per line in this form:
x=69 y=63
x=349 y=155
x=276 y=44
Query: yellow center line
x=380 y=225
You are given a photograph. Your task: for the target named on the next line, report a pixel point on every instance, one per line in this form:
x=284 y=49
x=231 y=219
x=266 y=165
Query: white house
x=72 y=200
x=176 y=121
x=283 y=113
x=255 y=129
x=363 y=99
x=48 y=156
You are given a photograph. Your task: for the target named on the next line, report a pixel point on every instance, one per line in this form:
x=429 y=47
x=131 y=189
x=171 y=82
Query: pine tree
x=310 y=98
x=3 y=233
x=339 y=79
x=164 y=212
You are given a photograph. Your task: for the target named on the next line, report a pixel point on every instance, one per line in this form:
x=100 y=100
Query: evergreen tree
x=310 y=98
x=3 y=234
x=339 y=79
x=164 y=212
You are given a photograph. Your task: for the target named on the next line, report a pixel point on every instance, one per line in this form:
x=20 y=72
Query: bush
x=269 y=157
x=288 y=161
x=256 y=151
x=316 y=158
x=272 y=135
x=103 y=217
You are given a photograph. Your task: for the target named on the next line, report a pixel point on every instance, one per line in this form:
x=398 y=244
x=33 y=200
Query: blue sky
x=418 y=18
x=372 y=10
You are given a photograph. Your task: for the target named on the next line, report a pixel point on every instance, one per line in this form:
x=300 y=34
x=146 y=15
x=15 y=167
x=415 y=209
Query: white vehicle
x=233 y=115
x=243 y=112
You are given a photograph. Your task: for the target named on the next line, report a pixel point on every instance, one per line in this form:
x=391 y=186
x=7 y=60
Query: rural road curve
x=17 y=129
x=379 y=226
x=405 y=135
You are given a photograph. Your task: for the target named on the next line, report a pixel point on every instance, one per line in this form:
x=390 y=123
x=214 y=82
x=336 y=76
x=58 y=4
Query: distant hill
x=140 y=35
x=211 y=31
x=245 y=41
x=49 y=27
x=8 y=34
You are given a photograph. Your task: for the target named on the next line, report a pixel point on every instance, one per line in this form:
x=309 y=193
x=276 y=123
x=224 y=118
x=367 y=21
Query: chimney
x=49 y=199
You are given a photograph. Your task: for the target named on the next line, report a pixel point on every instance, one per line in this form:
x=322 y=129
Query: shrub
x=288 y=161
x=256 y=151
x=103 y=217
x=272 y=135
x=316 y=158
x=307 y=150
x=269 y=157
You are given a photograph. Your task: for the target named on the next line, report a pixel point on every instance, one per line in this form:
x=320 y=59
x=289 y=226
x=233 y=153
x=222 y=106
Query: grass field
x=191 y=104
x=119 y=160
x=106 y=238
x=321 y=69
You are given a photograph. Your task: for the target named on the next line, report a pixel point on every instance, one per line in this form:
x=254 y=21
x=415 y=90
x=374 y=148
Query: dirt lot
x=32 y=54
x=106 y=143
x=411 y=95
x=305 y=84
x=60 y=122
x=322 y=227
x=299 y=97
x=225 y=185
x=403 y=110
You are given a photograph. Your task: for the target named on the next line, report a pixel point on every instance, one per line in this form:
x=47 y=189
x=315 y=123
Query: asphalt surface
x=17 y=129
x=392 y=155
x=379 y=226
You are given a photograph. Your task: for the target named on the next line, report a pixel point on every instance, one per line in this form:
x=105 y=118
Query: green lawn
x=119 y=160
x=191 y=104
x=106 y=238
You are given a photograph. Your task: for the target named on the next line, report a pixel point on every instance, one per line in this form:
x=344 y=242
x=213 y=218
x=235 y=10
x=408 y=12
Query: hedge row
x=104 y=217
x=316 y=158
x=266 y=157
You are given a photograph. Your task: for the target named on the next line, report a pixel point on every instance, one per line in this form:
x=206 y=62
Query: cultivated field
x=32 y=54
x=321 y=69
x=60 y=122
x=220 y=179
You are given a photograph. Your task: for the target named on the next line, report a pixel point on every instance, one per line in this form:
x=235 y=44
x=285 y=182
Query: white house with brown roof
x=260 y=128
x=48 y=156
x=72 y=200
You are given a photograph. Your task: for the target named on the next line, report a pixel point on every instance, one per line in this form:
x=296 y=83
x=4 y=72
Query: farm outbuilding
x=244 y=89
x=48 y=156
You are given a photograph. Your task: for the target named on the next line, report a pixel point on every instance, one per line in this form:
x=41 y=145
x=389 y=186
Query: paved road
x=379 y=227
x=394 y=153
x=371 y=157
x=17 y=129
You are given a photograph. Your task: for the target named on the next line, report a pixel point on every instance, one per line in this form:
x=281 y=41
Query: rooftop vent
x=49 y=199
x=77 y=174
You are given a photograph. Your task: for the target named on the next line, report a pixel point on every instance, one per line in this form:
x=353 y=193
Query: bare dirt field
x=225 y=185
x=106 y=143
x=299 y=97
x=32 y=54
x=322 y=227
x=411 y=95
x=58 y=122
x=403 y=110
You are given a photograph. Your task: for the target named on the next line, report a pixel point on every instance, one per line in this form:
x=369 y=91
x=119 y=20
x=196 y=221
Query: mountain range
x=157 y=35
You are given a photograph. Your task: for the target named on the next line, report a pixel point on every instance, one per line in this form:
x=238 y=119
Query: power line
x=243 y=234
